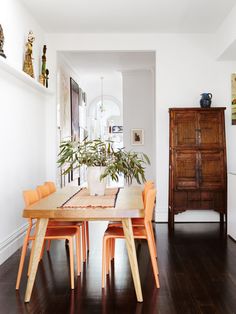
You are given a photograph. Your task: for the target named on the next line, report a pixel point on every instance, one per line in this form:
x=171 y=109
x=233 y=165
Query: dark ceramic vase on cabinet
x=205 y=101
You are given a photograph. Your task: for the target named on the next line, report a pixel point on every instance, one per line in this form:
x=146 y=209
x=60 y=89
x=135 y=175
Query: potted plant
x=102 y=160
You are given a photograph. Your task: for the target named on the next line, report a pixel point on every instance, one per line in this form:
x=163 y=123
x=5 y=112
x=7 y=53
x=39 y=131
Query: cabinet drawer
x=197 y=200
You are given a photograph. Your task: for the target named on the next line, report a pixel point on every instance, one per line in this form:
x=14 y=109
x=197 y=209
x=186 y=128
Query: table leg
x=41 y=228
x=129 y=237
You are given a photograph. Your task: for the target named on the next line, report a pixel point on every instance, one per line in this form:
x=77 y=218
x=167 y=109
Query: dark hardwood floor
x=197 y=275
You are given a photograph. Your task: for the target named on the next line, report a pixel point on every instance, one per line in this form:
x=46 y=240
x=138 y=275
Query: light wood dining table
x=129 y=204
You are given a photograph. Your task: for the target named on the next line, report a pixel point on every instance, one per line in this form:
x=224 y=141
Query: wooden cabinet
x=197 y=163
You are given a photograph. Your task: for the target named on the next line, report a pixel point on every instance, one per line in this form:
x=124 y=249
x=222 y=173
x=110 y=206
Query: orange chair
x=30 y=197
x=43 y=190
x=139 y=222
x=83 y=225
x=51 y=186
x=141 y=232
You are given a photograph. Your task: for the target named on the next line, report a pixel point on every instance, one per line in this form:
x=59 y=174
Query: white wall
x=226 y=34
x=16 y=23
x=232 y=205
x=139 y=113
x=22 y=127
x=186 y=66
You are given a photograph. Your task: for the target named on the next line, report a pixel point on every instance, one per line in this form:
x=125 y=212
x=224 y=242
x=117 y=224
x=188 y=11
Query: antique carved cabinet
x=197 y=161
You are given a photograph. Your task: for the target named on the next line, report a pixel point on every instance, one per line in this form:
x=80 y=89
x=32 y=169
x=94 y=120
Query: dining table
x=128 y=205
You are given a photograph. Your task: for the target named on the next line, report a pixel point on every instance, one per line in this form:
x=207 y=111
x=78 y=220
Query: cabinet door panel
x=180 y=200
x=194 y=200
x=184 y=129
x=185 y=172
x=210 y=128
x=211 y=165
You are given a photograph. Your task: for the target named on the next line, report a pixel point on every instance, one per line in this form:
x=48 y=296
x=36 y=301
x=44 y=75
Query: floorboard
x=197 y=266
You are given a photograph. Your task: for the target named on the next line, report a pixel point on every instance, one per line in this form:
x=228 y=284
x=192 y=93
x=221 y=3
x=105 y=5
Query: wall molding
x=12 y=243
x=23 y=77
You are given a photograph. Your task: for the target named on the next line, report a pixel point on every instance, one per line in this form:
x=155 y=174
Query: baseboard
x=12 y=243
x=161 y=215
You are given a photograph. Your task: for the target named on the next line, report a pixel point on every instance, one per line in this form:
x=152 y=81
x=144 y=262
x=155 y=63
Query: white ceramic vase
x=95 y=186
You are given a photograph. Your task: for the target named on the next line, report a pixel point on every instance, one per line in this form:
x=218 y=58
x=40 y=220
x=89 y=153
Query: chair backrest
x=147 y=186
x=43 y=191
x=150 y=203
x=30 y=197
x=51 y=185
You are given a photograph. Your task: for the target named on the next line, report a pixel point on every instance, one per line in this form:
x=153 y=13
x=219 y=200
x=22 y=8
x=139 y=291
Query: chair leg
x=48 y=245
x=78 y=254
x=72 y=283
x=153 y=257
x=153 y=238
x=109 y=255
x=84 y=241
x=104 y=260
x=113 y=248
x=22 y=260
x=87 y=234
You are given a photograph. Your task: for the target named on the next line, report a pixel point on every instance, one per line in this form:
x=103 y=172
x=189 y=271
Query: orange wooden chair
x=30 y=197
x=51 y=185
x=136 y=222
x=140 y=232
x=83 y=225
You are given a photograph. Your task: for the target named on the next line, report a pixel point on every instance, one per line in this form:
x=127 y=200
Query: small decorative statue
x=28 y=64
x=42 y=76
x=46 y=77
x=2 y=54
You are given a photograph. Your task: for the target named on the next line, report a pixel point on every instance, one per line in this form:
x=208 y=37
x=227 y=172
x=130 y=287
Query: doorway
x=119 y=97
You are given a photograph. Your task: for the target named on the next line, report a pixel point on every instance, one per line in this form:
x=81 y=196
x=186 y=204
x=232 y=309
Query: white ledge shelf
x=22 y=76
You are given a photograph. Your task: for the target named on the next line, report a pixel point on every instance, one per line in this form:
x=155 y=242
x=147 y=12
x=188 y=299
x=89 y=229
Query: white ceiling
x=128 y=16
x=103 y=62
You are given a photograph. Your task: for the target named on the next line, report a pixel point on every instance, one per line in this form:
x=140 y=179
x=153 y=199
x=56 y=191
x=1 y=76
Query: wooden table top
x=129 y=204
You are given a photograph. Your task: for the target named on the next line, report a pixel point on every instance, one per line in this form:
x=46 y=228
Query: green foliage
x=74 y=154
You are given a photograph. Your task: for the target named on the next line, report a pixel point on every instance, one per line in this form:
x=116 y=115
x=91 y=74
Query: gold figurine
x=2 y=54
x=28 y=64
x=42 y=76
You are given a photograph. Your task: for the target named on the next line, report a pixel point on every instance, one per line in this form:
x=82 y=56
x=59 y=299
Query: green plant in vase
x=102 y=155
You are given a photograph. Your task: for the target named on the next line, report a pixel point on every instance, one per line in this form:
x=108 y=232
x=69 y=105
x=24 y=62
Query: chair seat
x=135 y=222
x=59 y=232
x=78 y=225
x=64 y=223
x=138 y=232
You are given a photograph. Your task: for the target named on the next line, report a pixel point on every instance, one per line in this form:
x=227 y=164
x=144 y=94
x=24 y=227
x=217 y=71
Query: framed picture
x=74 y=103
x=233 y=98
x=137 y=137
x=117 y=129
x=75 y=96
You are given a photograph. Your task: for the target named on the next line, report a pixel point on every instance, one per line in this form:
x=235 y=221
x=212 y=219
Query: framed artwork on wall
x=74 y=105
x=233 y=98
x=137 y=137
x=75 y=128
x=117 y=129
